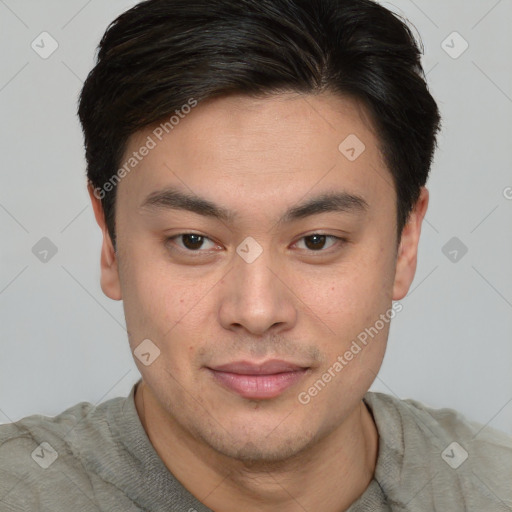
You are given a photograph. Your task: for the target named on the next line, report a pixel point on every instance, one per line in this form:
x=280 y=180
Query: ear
x=110 y=283
x=408 y=250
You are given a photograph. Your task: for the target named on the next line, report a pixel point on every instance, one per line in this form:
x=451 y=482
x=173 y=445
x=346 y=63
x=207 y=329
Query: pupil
x=313 y=246
x=196 y=241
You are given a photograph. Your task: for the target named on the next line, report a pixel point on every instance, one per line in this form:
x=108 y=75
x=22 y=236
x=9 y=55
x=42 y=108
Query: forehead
x=261 y=151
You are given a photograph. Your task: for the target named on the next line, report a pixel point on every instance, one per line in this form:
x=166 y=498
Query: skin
x=258 y=157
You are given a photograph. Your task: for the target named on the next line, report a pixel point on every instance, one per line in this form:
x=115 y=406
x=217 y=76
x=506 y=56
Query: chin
x=257 y=446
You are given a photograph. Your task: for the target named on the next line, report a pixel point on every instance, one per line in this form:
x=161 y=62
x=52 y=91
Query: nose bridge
x=254 y=297
x=253 y=272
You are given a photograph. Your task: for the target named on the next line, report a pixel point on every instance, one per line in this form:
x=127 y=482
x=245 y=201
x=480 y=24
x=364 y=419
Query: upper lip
x=266 y=368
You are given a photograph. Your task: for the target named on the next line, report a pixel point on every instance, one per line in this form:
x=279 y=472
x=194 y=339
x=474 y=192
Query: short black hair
x=157 y=56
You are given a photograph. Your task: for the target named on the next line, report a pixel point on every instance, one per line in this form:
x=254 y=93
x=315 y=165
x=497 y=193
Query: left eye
x=193 y=242
x=316 y=242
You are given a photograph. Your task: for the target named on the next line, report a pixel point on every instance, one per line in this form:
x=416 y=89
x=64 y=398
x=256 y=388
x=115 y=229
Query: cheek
x=151 y=288
x=350 y=305
x=166 y=308
x=354 y=292
x=150 y=310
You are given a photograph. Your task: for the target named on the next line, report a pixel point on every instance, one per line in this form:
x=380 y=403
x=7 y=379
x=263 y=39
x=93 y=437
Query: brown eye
x=191 y=242
x=316 y=242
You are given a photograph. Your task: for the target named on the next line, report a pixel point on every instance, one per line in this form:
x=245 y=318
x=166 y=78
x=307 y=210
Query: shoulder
x=444 y=421
x=34 y=440
x=459 y=459
x=41 y=462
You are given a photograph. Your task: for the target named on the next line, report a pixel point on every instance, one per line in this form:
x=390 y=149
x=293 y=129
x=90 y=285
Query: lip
x=258 y=380
x=270 y=367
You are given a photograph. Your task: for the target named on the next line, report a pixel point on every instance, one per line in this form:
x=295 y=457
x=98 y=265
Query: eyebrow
x=173 y=199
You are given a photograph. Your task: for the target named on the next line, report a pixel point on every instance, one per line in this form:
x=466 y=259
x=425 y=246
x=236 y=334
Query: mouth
x=258 y=381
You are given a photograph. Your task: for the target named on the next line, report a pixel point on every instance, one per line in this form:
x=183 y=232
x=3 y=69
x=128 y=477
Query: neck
x=328 y=476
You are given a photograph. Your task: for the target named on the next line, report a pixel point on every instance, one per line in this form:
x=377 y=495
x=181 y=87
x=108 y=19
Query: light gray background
x=63 y=341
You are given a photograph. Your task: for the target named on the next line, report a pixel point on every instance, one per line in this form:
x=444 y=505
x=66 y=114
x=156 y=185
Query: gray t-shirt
x=99 y=458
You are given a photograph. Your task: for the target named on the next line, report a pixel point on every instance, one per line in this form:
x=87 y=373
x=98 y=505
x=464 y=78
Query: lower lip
x=258 y=386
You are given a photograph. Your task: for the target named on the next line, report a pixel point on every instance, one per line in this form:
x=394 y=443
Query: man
x=258 y=171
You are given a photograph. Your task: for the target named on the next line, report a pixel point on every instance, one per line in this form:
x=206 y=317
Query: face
x=255 y=288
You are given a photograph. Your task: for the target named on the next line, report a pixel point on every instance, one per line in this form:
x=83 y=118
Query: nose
x=257 y=296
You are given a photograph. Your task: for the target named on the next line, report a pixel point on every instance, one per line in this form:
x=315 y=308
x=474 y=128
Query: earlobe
x=407 y=255
x=110 y=283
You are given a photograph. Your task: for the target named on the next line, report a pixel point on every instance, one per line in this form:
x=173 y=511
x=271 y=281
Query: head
x=258 y=170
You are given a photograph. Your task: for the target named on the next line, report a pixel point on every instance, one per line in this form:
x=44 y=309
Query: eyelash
x=338 y=241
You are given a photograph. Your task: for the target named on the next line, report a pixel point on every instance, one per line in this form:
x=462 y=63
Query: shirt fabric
x=99 y=458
